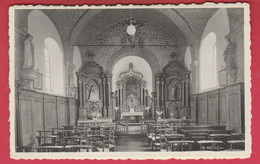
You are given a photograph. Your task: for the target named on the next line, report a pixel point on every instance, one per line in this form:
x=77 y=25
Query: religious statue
x=28 y=61
x=159 y=114
x=229 y=54
x=92 y=92
x=116 y=110
x=173 y=91
x=172 y=115
x=173 y=88
x=147 y=109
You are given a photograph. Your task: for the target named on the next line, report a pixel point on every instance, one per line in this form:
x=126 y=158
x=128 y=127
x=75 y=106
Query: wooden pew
x=203 y=129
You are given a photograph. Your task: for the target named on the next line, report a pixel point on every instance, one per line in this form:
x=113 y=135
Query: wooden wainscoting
x=193 y=107
x=203 y=109
x=213 y=106
x=39 y=111
x=224 y=106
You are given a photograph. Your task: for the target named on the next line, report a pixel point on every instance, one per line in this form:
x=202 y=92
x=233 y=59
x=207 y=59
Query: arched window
x=47 y=75
x=48 y=52
x=187 y=58
x=77 y=63
x=54 y=67
x=208 y=62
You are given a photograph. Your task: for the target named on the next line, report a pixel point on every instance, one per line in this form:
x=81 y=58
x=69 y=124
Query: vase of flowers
x=159 y=114
x=94 y=115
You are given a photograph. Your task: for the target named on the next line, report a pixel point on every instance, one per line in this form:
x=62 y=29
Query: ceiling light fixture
x=131 y=28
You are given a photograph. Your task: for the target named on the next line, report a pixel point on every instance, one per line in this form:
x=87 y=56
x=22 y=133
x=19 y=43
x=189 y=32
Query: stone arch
x=140 y=52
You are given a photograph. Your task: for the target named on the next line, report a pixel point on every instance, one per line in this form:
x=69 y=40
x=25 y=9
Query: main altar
x=131 y=96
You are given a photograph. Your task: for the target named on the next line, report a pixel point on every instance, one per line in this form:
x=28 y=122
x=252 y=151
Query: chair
x=96 y=143
x=109 y=140
x=171 y=141
x=213 y=144
x=237 y=141
x=46 y=138
x=180 y=145
x=157 y=138
x=47 y=142
x=221 y=137
x=160 y=142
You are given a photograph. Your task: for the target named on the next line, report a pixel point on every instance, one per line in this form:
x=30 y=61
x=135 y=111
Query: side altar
x=93 y=91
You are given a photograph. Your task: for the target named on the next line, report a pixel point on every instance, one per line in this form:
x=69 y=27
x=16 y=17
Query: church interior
x=132 y=79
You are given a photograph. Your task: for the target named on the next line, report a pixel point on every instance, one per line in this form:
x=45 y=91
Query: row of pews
x=83 y=137
x=183 y=135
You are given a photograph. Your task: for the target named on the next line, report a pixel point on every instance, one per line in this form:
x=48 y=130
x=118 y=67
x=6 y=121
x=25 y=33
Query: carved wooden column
x=117 y=98
x=164 y=112
x=145 y=97
x=158 y=93
x=104 y=97
x=183 y=92
x=142 y=96
x=124 y=92
x=153 y=105
x=80 y=94
x=121 y=96
x=109 y=88
x=187 y=92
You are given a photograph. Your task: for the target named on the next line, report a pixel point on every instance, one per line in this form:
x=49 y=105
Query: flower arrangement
x=94 y=115
x=159 y=114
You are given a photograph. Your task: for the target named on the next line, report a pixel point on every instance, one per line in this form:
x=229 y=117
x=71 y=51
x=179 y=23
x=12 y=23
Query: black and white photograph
x=129 y=81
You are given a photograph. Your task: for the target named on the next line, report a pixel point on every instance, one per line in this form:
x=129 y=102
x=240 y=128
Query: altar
x=124 y=115
x=130 y=96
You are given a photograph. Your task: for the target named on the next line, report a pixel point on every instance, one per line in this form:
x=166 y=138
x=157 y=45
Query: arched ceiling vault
x=97 y=20
x=72 y=24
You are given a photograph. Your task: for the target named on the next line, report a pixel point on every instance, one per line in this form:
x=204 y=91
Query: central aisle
x=133 y=140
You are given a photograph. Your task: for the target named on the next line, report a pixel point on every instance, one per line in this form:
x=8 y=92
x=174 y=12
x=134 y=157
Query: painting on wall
x=131 y=87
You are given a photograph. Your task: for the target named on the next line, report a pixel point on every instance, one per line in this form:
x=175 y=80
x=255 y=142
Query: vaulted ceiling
x=159 y=27
x=82 y=26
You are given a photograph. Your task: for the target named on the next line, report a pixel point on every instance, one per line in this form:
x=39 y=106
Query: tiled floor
x=133 y=140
